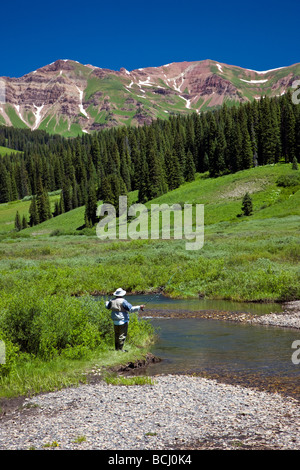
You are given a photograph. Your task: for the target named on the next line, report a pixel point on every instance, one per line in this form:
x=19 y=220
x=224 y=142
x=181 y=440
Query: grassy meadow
x=260 y=252
x=48 y=272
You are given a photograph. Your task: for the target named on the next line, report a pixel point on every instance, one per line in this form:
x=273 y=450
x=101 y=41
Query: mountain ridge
x=70 y=98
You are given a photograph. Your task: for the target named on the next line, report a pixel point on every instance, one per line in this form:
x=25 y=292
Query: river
x=239 y=353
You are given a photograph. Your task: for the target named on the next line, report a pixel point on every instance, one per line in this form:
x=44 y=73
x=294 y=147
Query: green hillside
x=259 y=253
x=221 y=196
x=7 y=151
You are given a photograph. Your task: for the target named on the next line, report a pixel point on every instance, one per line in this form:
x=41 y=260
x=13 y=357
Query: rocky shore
x=175 y=412
x=288 y=318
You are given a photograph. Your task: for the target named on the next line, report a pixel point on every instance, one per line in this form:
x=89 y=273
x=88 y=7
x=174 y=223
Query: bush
x=247 y=207
x=288 y=180
x=11 y=354
x=45 y=327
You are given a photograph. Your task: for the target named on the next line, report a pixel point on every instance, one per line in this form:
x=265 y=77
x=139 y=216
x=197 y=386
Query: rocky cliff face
x=70 y=98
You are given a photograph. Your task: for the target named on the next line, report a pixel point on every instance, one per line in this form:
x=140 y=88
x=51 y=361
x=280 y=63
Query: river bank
x=176 y=412
x=288 y=318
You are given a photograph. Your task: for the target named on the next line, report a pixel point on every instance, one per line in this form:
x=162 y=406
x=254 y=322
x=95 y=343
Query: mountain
x=69 y=98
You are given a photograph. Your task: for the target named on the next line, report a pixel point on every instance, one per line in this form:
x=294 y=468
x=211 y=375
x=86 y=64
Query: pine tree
x=42 y=202
x=156 y=182
x=179 y=150
x=33 y=213
x=95 y=151
x=66 y=196
x=295 y=164
x=269 y=132
x=90 y=215
x=247 y=207
x=173 y=170
x=217 y=161
x=288 y=132
x=125 y=169
x=246 y=151
x=4 y=184
x=18 y=223
x=24 y=222
x=190 y=169
x=105 y=192
x=143 y=195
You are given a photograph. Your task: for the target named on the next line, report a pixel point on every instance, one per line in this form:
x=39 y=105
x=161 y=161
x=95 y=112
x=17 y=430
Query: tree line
x=152 y=159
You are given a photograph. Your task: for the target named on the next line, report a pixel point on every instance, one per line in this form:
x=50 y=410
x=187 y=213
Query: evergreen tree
x=4 y=184
x=125 y=169
x=105 y=192
x=288 y=135
x=246 y=150
x=24 y=222
x=42 y=202
x=156 y=180
x=144 y=182
x=95 y=151
x=217 y=154
x=269 y=132
x=33 y=213
x=190 y=168
x=295 y=164
x=179 y=150
x=90 y=215
x=18 y=223
x=247 y=207
x=173 y=170
x=66 y=196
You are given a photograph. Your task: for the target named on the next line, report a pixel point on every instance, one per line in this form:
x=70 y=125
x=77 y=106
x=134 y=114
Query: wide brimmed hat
x=120 y=292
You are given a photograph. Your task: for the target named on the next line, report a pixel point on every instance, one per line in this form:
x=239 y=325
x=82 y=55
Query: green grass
x=252 y=258
x=36 y=376
x=261 y=252
x=119 y=380
x=7 y=151
x=8 y=212
x=15 y=120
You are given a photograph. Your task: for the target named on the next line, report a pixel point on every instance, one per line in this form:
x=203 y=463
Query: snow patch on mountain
x=253 y=81
x=37 y=116
x=188 y=102
x=17 y=106
x=82 y=110
x=267 y=71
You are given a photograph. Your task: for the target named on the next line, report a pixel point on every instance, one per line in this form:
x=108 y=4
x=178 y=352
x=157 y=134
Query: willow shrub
x=60 y=325
x=10 y=356
x=48 y=326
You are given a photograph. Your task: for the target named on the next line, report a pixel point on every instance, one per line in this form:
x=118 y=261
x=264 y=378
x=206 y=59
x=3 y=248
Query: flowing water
x=240 y=353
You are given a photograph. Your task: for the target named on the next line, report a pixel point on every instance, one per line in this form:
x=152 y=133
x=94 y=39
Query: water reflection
x=237 y=353
x=242 y=353
x=154 y=302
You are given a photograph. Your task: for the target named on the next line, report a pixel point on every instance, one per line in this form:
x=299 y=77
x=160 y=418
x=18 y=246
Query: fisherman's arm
x=131 y=308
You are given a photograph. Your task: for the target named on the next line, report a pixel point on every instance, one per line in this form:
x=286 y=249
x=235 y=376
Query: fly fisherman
x=120 y=310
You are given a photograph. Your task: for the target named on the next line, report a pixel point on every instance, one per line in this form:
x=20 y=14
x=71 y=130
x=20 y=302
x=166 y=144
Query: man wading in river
x=120 y=310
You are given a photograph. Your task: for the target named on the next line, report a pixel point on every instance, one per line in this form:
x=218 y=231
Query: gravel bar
x=176 y=412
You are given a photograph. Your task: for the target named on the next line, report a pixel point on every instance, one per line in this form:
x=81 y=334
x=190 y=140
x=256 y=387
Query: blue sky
x=259 y=35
